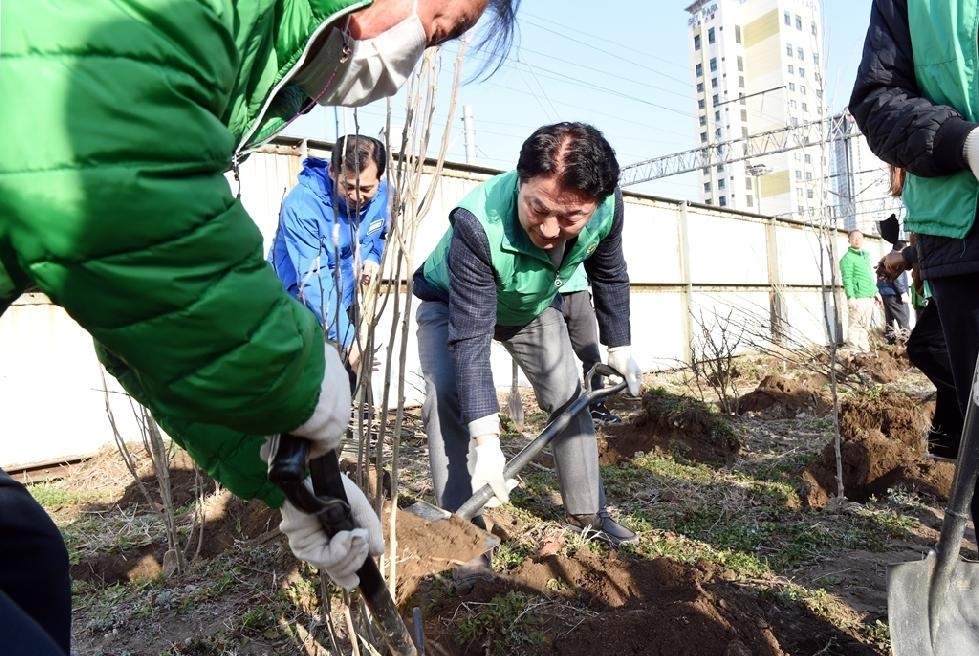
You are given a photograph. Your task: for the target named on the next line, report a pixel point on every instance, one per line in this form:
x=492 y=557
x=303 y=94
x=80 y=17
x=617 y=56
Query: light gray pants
x=543 y=351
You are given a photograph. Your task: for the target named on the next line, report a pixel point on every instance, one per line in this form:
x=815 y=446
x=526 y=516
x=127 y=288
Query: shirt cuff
x=488 y=425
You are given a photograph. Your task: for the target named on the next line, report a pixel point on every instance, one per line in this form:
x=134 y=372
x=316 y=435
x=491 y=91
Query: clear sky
x=626 y=71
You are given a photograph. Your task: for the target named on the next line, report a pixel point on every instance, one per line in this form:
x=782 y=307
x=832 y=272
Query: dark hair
x=497 y=37
x=575 y=152
x=353 y=152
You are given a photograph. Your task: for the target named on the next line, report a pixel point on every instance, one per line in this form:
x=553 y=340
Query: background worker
x=331 y=234
x=894 y=298
x=861 y=292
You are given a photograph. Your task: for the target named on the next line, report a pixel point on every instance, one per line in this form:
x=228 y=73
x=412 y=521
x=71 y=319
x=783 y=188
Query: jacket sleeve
x=472 y=316
x=227 y=455
x=903 y=127
x=122 y=215
x=313 y=259
x=609 y=278
x=846 y=276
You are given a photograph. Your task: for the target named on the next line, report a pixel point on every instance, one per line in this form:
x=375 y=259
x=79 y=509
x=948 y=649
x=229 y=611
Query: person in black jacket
x=928 y=352
x=916 y=100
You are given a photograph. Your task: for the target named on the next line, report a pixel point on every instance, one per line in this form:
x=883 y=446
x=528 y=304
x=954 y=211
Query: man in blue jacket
x=331 y=234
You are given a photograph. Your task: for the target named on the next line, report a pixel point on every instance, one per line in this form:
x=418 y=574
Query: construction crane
x=835 y=128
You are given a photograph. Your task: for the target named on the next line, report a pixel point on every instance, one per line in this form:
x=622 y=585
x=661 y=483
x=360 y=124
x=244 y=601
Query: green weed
x=505 y=625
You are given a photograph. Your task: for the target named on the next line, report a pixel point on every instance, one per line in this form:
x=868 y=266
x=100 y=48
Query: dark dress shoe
x=601 y=527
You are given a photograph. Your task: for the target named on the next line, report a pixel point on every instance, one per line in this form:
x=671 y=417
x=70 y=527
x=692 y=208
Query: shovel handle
x=474 y=505
x=328 y=501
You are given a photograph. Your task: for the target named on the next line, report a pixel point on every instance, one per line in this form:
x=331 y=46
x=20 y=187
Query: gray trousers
x=543 y=351
x=579 y=315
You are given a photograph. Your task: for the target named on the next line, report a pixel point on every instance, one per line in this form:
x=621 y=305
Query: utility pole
x=469 y=133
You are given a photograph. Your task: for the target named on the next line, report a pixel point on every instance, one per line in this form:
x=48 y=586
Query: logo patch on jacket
x=375 y=225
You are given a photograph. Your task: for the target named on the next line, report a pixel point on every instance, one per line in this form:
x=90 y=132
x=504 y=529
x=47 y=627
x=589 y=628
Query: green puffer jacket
x=119 y=118
x=858 y=278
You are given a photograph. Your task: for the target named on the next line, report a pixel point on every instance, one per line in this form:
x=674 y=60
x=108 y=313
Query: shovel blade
x=926 y=622
x=428 y=512
x=433 y=514
x=515 y=410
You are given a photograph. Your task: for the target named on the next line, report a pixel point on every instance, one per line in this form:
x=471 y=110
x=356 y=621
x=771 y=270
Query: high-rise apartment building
x=860 y=183
x=758 y=67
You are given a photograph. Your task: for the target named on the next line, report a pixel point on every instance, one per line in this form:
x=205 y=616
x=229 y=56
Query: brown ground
x=598 y=602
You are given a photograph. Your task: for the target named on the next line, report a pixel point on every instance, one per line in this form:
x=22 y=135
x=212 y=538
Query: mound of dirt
x=881 y=448
x=780 y=397
x=885 y=365
x=617 y=605
x=426 y=549
x=673 y=424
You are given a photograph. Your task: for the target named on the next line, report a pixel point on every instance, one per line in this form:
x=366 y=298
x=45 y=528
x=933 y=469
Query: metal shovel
x=933 y=604
x=480 y=497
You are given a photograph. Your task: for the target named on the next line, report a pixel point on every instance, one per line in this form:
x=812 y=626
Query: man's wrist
x=487 y=425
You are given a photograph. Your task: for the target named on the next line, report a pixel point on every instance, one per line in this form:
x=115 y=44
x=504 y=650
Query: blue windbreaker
x=314 y=252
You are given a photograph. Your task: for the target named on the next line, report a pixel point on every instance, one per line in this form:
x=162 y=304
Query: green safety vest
x=944 y=40
x=526 y=279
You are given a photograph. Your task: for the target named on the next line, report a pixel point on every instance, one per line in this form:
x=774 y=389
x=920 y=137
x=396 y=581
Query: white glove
x=488 y=470
x=367 y=271
x=332 y=412
x=343 y=554
x=620 y=359
x=971 y=151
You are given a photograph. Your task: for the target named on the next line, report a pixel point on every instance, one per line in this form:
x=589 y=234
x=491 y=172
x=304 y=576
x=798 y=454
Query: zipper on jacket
x=235 y=161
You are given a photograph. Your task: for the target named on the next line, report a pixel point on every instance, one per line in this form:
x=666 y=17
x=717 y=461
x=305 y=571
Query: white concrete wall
x=685 y=262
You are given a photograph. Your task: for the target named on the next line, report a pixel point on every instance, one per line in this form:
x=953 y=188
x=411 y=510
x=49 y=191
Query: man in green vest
x=496 y=273
x=119 y=120
x=861 y=292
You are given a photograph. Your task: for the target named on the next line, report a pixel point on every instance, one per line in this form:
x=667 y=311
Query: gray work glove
x=971 y=151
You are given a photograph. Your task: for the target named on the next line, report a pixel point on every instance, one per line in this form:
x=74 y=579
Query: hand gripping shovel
x=933 y=604
x=480 y=497
x=328 y=501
